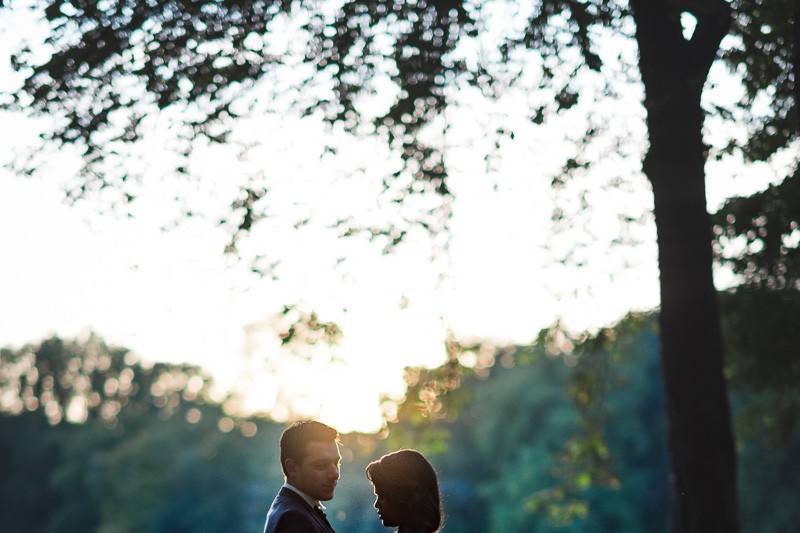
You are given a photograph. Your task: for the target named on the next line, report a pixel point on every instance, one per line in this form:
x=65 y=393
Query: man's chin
x=326 y=495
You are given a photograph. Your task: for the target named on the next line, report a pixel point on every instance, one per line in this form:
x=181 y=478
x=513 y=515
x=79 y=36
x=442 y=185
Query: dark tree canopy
x=765 y=55
x=756 y=235
x=99 y=56
x=108 y=66
x=764 y=226
x=105 y=68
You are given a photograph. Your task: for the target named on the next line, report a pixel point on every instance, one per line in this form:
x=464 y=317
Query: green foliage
x=764 y=52
x=757 y=236
x=91 y=380
x=566 y=435
x=141 y=464
x=769 y=484
x=569 y=433
x=763 y=366
x=30 y=451
x=548 y=436
x=153 y=475
x=307 y=329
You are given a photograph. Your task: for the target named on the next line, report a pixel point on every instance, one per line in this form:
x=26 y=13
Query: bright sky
x=174 y=296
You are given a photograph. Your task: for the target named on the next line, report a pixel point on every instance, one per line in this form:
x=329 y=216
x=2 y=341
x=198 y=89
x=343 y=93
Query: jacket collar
x=311 y=502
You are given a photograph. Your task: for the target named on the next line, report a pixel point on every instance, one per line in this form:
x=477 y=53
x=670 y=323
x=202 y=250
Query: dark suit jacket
x=289 y=513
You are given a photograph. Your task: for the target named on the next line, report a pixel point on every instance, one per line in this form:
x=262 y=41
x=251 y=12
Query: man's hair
x=295 y=438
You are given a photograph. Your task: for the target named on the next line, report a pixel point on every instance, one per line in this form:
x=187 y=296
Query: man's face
x=318 y=473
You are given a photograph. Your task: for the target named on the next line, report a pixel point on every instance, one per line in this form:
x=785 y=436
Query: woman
x=407 y=492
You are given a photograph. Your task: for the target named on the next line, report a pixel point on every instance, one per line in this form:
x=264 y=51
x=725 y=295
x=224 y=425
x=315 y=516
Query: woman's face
x=389 y=510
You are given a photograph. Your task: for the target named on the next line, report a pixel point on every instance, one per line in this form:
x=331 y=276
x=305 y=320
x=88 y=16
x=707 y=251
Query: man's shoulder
x=286 y=499
x=288 y=514
x=295 y=516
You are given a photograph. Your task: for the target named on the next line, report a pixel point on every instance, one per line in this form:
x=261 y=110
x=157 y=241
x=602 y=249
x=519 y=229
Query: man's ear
x=290 y=466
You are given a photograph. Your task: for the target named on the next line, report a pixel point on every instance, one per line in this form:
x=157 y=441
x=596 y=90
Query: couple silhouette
x=405 y=485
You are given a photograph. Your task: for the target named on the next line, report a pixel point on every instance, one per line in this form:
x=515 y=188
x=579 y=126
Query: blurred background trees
x=566 y=434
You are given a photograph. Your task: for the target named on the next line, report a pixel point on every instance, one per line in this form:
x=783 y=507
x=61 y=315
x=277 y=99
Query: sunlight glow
x=688 y=25
x=173 y=296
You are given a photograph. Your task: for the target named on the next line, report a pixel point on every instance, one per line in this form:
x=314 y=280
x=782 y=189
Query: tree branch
x=796 y=23
x=713 y=23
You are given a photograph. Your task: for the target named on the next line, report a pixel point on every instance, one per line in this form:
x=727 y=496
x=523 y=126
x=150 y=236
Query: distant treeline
x=566 y=435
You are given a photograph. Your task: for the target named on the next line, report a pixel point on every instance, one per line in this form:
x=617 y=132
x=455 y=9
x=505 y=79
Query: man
x=310 y=460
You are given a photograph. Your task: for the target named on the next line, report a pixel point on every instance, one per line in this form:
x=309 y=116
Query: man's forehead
x=316 y=449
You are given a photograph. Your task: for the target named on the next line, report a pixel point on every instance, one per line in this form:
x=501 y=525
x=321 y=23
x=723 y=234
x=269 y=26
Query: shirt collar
x=314 y=504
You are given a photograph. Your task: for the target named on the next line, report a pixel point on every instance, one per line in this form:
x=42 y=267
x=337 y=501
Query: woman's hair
x=407 y=479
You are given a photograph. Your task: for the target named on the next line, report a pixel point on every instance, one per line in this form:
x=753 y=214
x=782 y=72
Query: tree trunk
x=674 y=69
